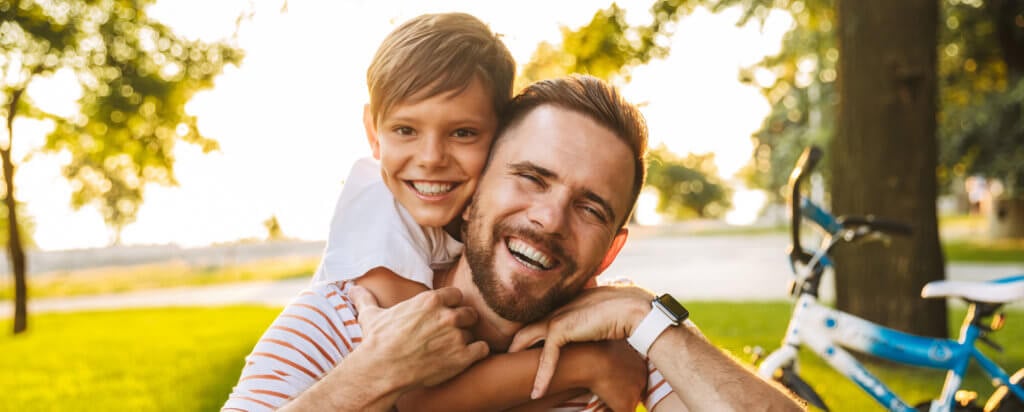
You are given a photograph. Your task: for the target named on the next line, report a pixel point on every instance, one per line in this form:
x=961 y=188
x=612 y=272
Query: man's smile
x=529 y=255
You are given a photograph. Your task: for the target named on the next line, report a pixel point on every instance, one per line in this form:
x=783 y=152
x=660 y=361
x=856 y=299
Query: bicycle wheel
x=1003 y=401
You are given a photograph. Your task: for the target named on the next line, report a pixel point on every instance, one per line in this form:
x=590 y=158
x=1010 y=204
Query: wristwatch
x=665 y=312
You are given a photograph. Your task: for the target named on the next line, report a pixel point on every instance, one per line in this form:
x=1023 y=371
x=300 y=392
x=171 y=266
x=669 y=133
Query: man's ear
x=617 y=243
x=371 y=131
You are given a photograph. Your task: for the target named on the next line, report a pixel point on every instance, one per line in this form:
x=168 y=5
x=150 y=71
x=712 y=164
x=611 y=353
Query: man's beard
x=516 y=304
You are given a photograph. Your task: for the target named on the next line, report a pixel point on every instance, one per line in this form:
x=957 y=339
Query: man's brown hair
x=438 y=53
x=598 y=100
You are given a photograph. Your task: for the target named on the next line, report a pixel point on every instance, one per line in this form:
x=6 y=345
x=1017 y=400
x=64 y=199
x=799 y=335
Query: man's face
x=546 y=211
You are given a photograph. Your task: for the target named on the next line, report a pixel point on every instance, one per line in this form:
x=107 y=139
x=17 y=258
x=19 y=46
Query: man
x=548 y=216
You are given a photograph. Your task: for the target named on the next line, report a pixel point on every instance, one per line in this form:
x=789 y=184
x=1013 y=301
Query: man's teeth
x=432 y=188
x=534 y=257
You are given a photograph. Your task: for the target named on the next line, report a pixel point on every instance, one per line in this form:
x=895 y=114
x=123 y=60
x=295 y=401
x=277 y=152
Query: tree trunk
x=15 y=252
x=884 y=160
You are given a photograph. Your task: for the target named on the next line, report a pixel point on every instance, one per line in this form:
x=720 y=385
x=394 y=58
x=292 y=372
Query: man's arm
x=612 y=370
x=704 y=377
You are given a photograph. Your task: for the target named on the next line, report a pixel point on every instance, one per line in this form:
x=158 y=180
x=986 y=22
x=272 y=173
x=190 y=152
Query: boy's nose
x=433 y=152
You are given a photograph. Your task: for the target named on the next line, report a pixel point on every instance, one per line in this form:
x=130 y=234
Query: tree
x=687 y=187
x=980 y=45
x=884 y=158
x=607 y=47
x=273 y=227
x=135 y=76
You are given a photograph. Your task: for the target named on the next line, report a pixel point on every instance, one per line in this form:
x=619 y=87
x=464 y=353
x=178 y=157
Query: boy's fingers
x=363 y=299
x=528 y=336
x=465 y=317
x=450 y=296
x=546 y=369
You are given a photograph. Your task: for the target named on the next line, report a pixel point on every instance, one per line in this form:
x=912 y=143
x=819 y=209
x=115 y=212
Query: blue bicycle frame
x=828 y=332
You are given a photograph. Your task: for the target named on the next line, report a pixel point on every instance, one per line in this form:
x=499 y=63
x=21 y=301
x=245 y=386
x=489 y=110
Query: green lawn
x=188 y=359
x=131 y=360
x=985 y=251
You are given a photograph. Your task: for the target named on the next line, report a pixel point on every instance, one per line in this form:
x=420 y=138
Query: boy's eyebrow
x=528 y=166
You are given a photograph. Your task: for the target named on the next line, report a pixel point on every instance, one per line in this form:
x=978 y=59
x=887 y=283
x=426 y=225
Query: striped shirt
x=313 y=334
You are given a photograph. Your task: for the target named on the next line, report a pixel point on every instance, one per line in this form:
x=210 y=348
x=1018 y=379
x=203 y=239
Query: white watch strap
x=648 y=330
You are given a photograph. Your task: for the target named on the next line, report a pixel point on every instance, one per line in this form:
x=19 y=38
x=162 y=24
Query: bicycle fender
x=796 y=384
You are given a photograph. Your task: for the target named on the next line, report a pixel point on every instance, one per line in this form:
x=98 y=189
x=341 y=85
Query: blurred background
x=176 y=163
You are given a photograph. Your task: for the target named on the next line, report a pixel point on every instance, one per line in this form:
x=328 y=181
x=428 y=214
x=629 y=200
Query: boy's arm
x=389 y=287
x=612 y=370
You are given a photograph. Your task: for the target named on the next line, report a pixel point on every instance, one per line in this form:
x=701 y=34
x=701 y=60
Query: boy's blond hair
x=438 y=53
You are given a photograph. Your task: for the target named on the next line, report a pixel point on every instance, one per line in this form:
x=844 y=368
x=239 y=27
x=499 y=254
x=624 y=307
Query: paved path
x=738 y=268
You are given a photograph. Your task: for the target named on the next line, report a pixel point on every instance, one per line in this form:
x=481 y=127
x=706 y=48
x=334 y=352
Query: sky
x=288 y=120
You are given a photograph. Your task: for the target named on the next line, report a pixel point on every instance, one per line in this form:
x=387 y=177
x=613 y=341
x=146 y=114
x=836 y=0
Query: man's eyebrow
x=527 y=166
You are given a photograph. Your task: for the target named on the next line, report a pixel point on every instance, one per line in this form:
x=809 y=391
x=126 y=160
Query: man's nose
x=549 y=215
x=433 y=152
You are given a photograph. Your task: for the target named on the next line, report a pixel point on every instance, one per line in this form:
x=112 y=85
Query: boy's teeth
x=431 y=188
x=527 y=251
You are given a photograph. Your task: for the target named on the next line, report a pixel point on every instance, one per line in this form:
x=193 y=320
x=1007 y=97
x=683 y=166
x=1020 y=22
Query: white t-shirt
x=371 y=229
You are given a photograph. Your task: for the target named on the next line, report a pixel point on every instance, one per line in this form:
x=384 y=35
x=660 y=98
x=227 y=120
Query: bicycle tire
x=1002 y=401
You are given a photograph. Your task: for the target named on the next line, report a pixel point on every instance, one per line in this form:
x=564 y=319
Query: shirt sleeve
x=312 y=335
x=657 y=387
x=371 y=229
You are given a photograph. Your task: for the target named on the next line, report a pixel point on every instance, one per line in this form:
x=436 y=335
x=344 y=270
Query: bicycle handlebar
x=808 y=160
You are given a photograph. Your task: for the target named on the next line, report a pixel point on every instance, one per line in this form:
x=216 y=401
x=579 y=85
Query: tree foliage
x=687 y=186
x=608 y=47
x=134 y=76
x=980 y=90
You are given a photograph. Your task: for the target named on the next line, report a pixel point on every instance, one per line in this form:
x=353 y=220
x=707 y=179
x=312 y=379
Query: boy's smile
x=432 y=150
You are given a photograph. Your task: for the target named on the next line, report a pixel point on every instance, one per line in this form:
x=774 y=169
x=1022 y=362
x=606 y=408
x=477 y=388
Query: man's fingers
x=477 y=350
x=465 y=317
x=450 y=296
x=546 y=369
x=363 y=299
x=528 y=336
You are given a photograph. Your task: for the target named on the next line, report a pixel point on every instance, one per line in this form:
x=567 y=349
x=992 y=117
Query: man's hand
x=601 y=313
x=426 y=335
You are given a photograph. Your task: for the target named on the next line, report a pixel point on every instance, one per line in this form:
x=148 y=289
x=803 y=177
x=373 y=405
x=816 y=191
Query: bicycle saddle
x=994 y=291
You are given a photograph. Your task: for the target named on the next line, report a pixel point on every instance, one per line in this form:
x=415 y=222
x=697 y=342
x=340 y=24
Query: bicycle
x=829 y=332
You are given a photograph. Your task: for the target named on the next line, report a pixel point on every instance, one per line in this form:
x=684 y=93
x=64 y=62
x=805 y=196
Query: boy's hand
x=618 y=375
x=426 y=335
x=600 y=313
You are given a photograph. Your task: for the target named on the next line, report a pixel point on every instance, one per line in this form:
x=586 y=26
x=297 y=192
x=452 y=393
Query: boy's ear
x=371 y=131
x=617 y=243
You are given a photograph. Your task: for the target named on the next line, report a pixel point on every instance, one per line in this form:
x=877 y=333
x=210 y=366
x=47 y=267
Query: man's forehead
x=577 y=148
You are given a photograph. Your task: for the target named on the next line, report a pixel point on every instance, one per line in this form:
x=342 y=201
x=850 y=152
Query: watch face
x=672 y=308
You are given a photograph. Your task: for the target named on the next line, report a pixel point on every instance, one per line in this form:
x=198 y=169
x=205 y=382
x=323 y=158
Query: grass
x=131 y=360
x=161 y=275
x=188 y=359
x=985 y=251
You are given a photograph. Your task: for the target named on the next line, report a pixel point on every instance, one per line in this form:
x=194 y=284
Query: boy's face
x=433 y=150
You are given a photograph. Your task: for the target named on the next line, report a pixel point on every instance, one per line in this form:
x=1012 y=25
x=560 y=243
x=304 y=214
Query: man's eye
x=593 y=211
x=404 y=130
x=533 y=179
x=464 y=133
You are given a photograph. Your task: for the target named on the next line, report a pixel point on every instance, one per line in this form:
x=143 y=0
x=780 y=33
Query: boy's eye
x=404 y=130
x=464 y=133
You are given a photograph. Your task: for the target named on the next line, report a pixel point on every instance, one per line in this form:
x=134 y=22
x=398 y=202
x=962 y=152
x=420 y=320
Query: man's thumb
x=363 y=299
